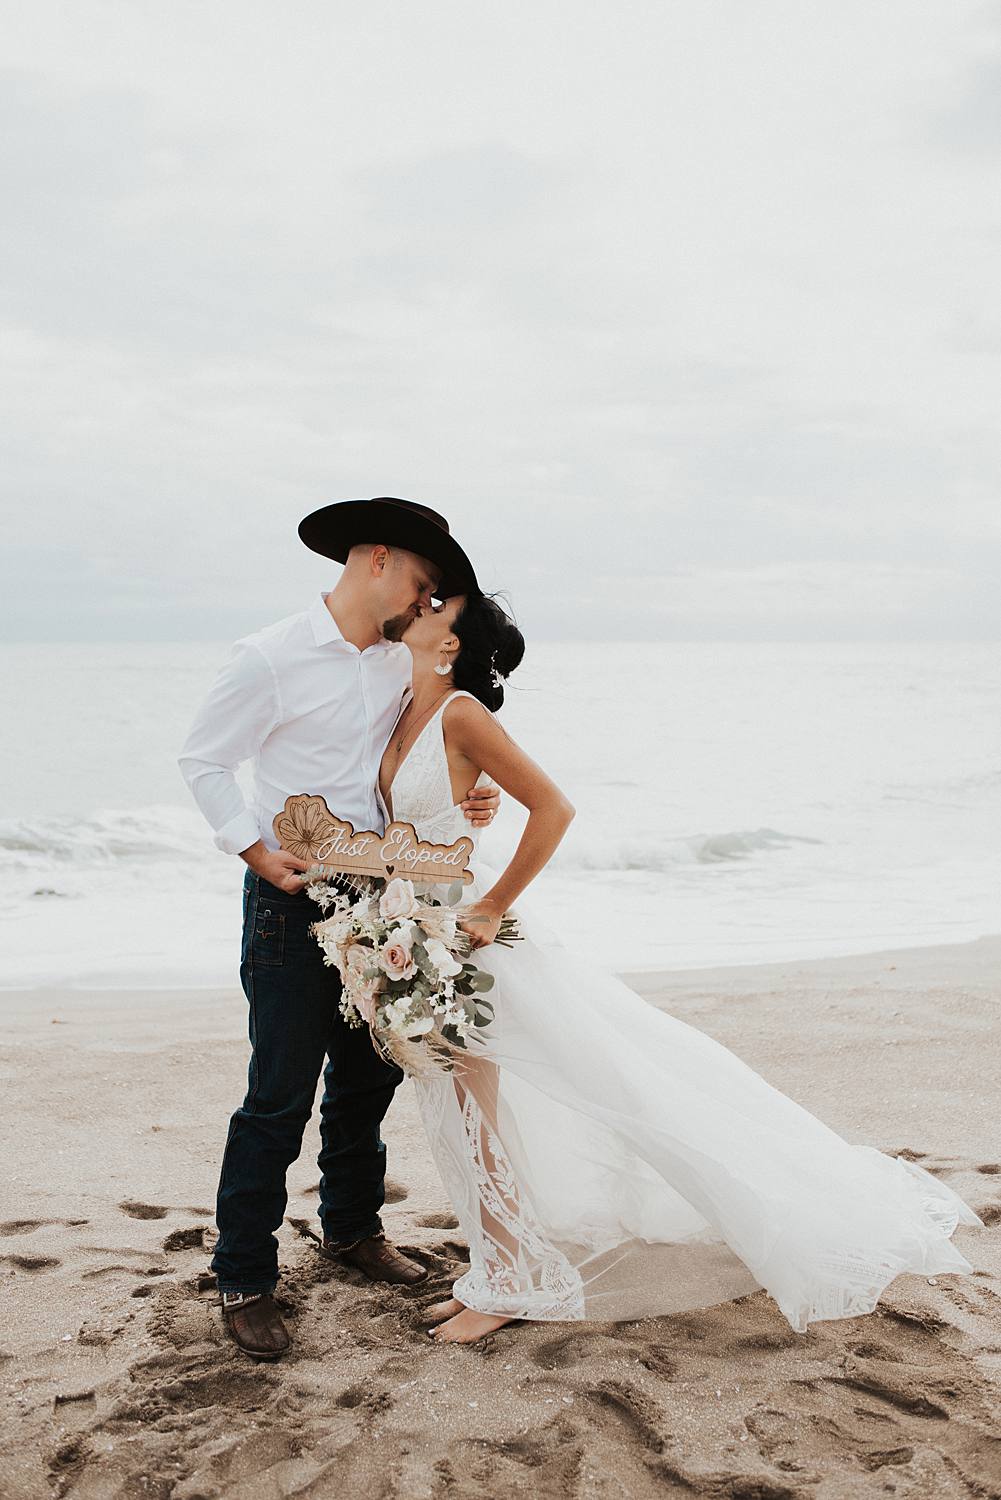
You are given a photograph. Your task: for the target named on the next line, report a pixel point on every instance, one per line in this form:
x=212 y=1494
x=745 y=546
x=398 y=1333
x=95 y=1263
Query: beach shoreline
x=641 y=973
x=118 y=1379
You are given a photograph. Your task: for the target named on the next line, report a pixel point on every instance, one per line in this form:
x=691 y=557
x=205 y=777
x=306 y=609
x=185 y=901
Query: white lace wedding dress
x=608 y=1161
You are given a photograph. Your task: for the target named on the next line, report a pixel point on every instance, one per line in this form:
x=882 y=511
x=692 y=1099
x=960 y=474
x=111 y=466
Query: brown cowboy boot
x=380 y=1260
x=254 y=1323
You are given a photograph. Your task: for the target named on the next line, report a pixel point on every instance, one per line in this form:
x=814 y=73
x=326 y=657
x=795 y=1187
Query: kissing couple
x=605 y=1161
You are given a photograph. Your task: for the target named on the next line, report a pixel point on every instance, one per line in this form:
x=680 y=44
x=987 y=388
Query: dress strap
x=458 y=693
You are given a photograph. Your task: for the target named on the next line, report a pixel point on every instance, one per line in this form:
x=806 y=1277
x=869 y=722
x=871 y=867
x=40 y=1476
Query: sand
x=118 y=1379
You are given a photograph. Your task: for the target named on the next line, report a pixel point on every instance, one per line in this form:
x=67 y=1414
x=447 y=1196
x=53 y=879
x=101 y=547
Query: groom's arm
x=237 y=714
x=481 y=803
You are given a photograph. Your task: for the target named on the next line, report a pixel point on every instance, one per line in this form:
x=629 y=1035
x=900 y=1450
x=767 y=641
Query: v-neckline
x=387 y=796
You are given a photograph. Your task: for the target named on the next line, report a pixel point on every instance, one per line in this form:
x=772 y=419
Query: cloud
x=488 y=189
x=969 y=122
x=652 y=299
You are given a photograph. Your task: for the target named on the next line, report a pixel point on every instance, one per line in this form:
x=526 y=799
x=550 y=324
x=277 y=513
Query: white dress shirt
x=313 y=714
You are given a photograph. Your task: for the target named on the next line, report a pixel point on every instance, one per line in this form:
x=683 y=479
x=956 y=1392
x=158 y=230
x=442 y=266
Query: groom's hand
x=277 y=866
x=481 y=804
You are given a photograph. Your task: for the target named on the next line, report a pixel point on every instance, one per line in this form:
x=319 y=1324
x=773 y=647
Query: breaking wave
x=166 y=832
x=107 y=835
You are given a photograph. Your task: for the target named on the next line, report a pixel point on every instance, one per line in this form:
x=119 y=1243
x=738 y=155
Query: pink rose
x=366 y=999
x=359 y=957
x=397 y=961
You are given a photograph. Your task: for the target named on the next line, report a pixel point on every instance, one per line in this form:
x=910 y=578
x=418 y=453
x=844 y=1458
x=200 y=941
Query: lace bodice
x=421 y=792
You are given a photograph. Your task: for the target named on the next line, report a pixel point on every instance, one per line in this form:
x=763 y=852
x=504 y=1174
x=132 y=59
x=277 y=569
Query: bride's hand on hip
x=481 y=922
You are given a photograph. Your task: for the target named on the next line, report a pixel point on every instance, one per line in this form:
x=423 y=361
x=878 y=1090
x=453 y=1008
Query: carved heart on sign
x=308 y=828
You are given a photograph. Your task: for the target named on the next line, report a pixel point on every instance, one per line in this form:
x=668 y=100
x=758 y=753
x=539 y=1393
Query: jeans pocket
x=267 y=940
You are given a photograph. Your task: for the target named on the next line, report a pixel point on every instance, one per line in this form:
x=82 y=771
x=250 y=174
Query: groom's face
x=407 y=581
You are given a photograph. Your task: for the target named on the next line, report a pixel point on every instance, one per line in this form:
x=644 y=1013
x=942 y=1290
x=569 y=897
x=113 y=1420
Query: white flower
x=397 y=900
x=396 y=1016
x=442 y=959
x=334 y=930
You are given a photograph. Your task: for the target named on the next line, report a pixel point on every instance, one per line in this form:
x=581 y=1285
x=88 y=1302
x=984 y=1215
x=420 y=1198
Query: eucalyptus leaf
x=425 y=965
x=454 y=893
x=482 y=981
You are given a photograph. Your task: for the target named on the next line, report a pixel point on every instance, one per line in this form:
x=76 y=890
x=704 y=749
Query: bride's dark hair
x=491 y=646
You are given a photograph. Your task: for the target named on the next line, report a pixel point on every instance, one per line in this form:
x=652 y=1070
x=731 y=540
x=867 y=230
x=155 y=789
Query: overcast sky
x=686 y=314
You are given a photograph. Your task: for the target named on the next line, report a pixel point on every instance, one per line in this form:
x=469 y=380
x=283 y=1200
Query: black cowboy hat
x=334 y=529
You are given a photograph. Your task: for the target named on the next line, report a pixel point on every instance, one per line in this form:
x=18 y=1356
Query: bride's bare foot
x=468 y=1326
x=439 y=1311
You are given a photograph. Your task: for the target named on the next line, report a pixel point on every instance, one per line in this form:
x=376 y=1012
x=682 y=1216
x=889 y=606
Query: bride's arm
x=473 y=730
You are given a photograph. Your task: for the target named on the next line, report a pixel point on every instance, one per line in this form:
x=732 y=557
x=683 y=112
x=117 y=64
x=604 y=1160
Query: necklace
x=399 y=742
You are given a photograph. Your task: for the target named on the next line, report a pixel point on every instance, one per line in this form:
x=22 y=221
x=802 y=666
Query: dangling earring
x=443 y=671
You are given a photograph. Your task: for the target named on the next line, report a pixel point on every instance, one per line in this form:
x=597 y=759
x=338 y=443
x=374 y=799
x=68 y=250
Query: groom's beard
x=393 y=628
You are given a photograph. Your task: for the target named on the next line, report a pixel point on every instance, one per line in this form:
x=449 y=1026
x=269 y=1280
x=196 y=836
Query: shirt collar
x=325 y=627
x=323 y=623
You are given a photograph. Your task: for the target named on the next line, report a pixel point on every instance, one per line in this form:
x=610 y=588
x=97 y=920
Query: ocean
x=735 y=803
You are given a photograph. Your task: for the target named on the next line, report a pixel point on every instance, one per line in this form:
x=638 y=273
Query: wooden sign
x=307 y=827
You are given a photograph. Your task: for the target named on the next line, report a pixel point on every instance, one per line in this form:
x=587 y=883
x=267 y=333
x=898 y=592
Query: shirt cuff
x=238 y=834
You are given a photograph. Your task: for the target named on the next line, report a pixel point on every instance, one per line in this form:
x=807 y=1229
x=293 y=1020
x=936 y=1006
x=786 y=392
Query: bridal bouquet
x=404 y=970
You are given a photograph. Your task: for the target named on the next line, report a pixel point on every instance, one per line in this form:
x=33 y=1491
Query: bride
x=604 y=1159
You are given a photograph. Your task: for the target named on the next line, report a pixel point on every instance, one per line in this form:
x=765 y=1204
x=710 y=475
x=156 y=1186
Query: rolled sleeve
x=237 y=714
x=238 y=834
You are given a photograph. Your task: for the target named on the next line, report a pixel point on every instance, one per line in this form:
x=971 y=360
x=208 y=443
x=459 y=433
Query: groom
x=312 y=701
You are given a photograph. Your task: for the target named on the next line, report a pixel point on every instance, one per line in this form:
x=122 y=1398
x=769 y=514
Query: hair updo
x=490 y=647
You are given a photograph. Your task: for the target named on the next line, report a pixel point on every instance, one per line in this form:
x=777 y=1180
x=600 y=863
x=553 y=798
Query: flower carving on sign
x=304 y=826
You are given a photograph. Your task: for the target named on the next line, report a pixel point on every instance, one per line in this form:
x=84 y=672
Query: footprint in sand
x=28 y=1226
x=631 y=1409
x=186 y=1239
x=558 y=1353
x=363 y=1395
x=32 y=1262
x=143 y=1210
x=438 y=1221
x=990 y=1168
x=659 y=1360
x=395 y=1192
x=22 y=1226
x=547 y=1461
x=108 y=1271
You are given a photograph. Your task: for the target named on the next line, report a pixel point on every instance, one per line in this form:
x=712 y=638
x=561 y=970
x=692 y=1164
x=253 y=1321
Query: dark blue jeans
x=295 y=1023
